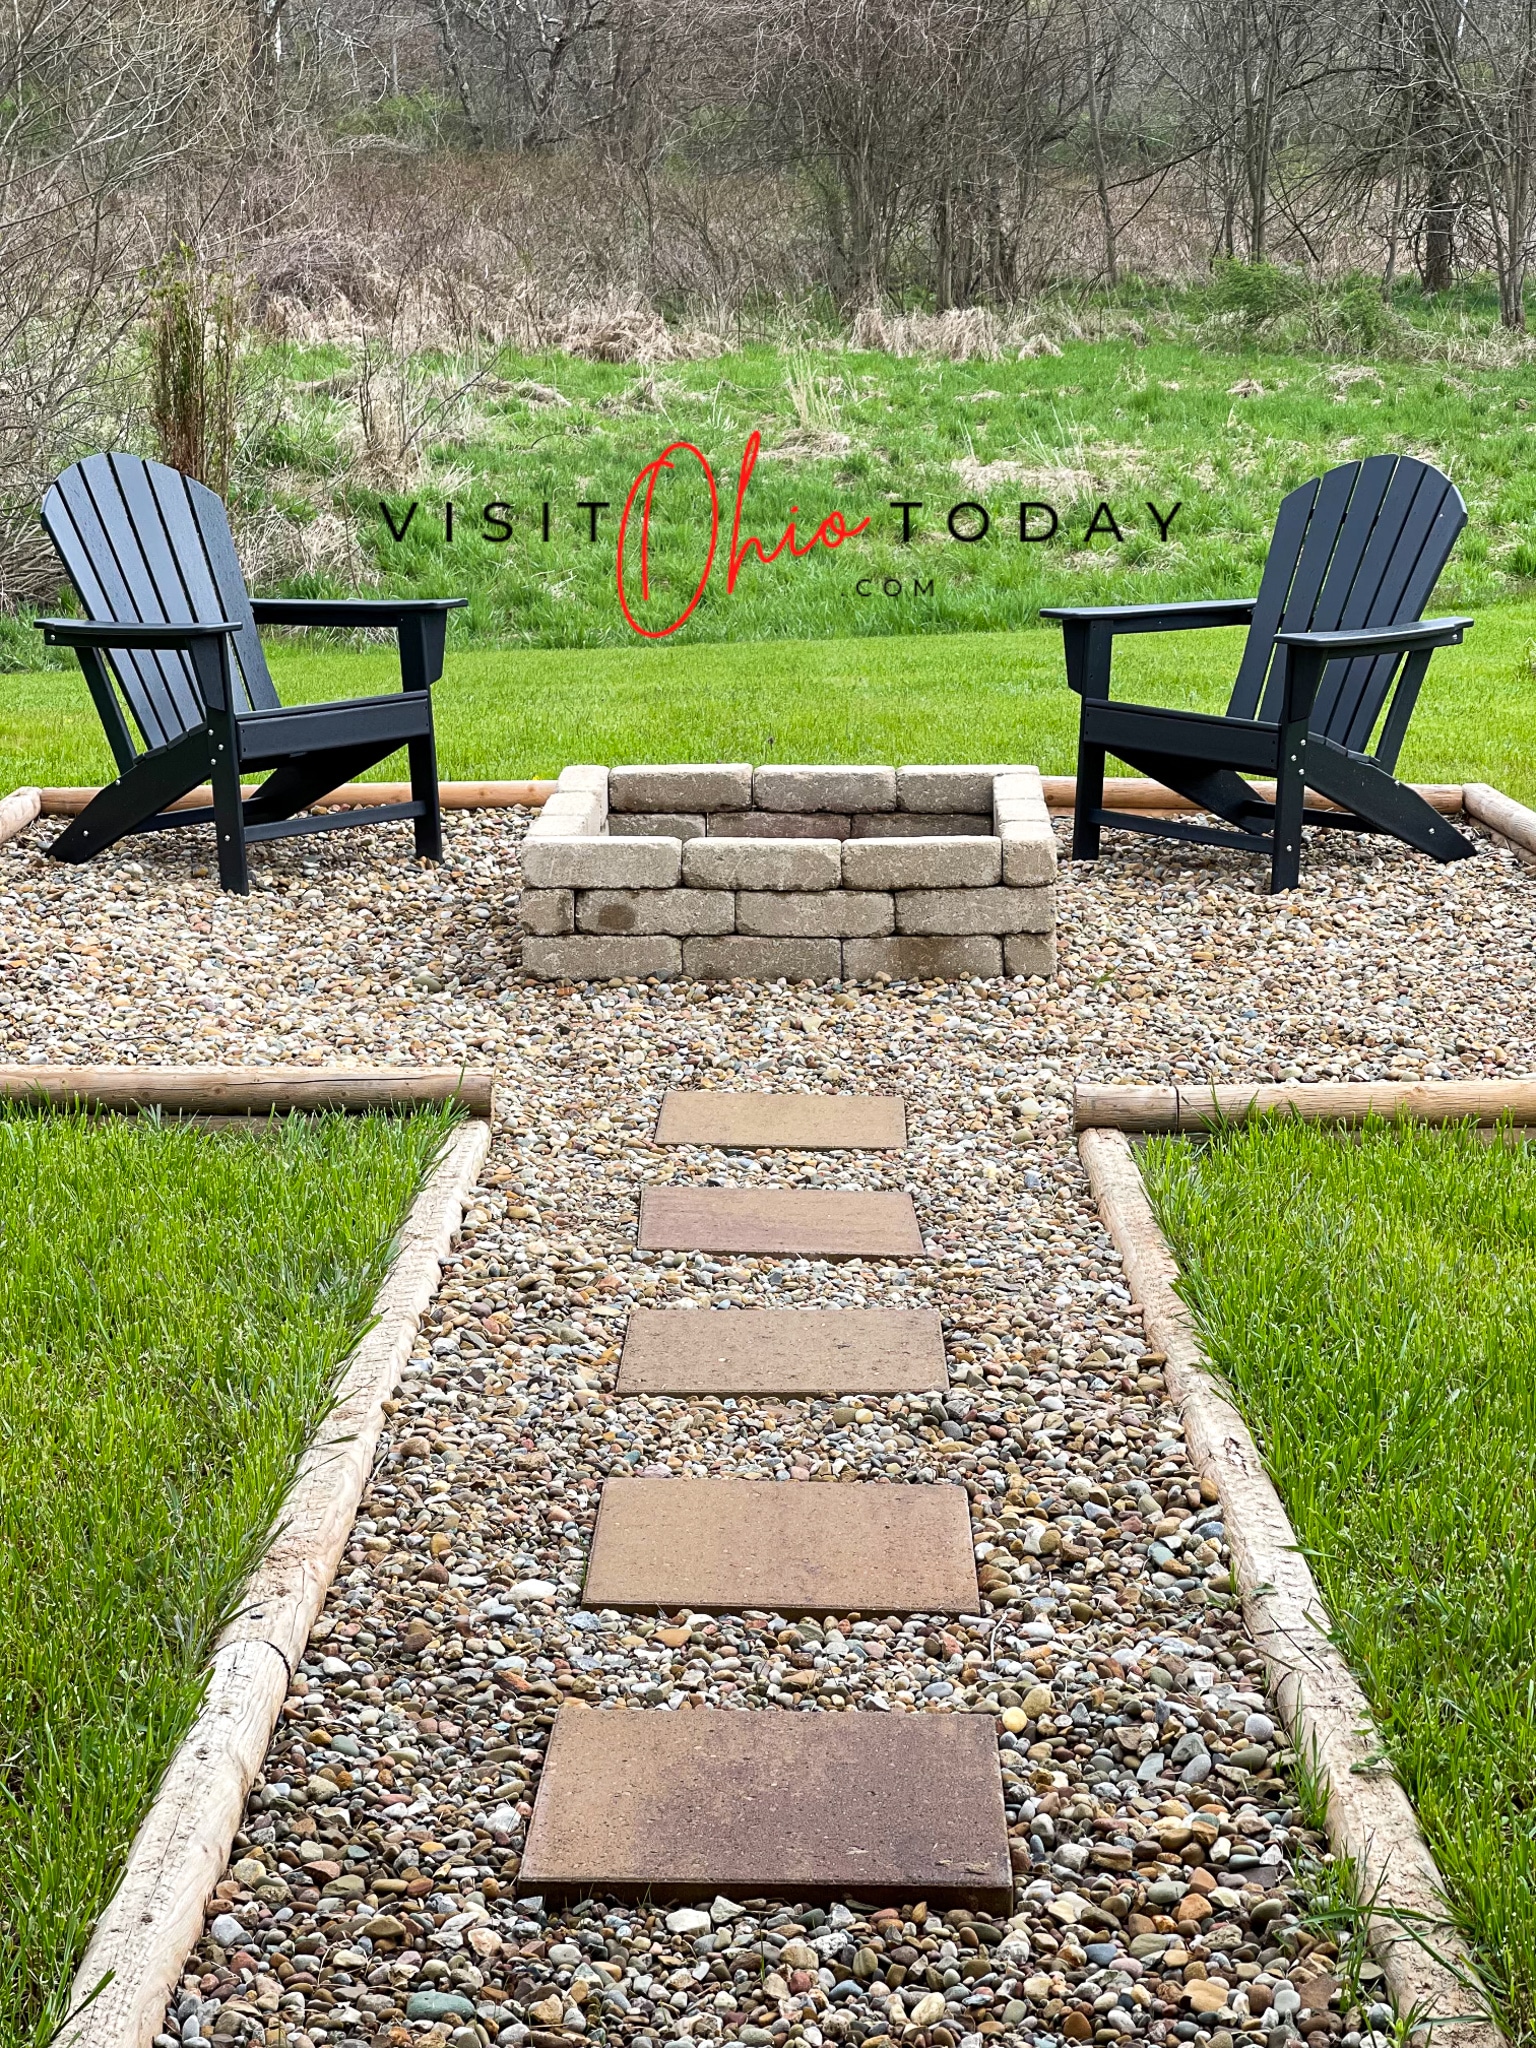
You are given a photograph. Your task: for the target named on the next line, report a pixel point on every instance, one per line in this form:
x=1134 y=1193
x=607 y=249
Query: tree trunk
x=454 y=65
x=1434 y=123
x=1439 y=229
x=943 y=251
x=1100 y=167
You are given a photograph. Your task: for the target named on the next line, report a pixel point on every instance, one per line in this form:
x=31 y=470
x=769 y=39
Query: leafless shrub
x=196 y=329
x=95 y=100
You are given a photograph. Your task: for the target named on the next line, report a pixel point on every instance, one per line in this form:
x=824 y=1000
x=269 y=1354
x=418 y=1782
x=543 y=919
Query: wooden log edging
x=156 y=1915
x=453 y=796
x=18 y=810
x=1501 y=815
x=1137 y=793
x=1121 y=793
x=251 y=1091
x=1106 y=1107
x=1370 y=1818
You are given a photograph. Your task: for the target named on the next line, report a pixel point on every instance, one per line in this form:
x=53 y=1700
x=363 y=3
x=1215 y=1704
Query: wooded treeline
x=488 y=169
x=947 y=147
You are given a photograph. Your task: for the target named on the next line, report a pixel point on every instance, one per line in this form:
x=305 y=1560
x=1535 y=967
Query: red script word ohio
x=831 y=533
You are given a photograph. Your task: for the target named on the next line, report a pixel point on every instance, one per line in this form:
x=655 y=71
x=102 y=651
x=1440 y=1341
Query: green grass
x=173 y=1305
x=1373 y=1305
x=508 y=713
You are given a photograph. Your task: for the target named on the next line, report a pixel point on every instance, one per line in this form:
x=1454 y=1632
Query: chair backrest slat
x=1363 y=545
x=135 y=538
x=1274 y=587
x=1413 y=538
x=157 y=687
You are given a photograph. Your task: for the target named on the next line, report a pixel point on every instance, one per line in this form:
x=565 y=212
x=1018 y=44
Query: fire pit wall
x=727 y=871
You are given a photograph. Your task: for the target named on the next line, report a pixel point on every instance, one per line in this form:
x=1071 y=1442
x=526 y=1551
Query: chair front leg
x=422 y=637
x=1290 y=803
x=210 y=662
x=1303 y=673
x=1087 y=651
x=429 y=826
x=1089 y=801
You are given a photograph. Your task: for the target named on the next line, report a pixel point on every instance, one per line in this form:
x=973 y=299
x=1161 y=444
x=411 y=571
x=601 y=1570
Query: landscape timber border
x=1351 y=1103
x=154 y=1918
x=453 y=796
x=250 y=1091
x=1121 y=793
x=1370 y=1817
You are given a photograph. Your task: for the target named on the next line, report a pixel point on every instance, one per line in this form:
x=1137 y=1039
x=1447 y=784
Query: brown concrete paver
x=800 y=1123
x=782 y=1351
x=814 y=1223
x=786 y=1546
x=815 y=1807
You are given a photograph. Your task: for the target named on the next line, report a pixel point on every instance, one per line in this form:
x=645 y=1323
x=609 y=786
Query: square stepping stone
x=799 y=1123
x=770 y=1804
x=809 y=1223
x=782 y=1351
x=787 y=1546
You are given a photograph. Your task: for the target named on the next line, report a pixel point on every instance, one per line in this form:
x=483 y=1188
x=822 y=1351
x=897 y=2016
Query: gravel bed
x=1164 y=1868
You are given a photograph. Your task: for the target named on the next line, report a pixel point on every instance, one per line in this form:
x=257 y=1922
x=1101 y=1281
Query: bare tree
x=530 y=72
x=97 y=103
x=1488 y=64
x=1101 y=50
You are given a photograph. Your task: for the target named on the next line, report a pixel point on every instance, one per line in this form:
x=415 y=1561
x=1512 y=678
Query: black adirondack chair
x=1354 y=558
x=171 y=627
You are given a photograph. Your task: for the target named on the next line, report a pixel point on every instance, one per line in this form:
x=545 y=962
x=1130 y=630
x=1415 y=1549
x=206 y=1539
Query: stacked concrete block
x=922 y=863
x=1023 y=827
x=788 y=864
x=842 y=790
x=725 y=872
x=578 y=808
x=657 y=825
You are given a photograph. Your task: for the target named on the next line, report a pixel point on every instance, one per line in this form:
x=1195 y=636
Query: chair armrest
x=131 y=633
x=1155 y=618
x=1379 y=639
x=1088 y=632
x=419 y=623
x=1308 y=654
x=348 y=611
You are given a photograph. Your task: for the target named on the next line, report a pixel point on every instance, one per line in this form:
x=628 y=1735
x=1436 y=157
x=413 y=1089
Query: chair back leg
x=140 y=793
x=1090 y=801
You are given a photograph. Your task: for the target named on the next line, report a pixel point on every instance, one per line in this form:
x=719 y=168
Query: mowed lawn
x=506 y=714
x=174 y=1304
x=1372 y=1302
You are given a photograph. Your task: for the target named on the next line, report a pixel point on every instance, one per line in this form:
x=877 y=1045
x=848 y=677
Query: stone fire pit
x=727 y=871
